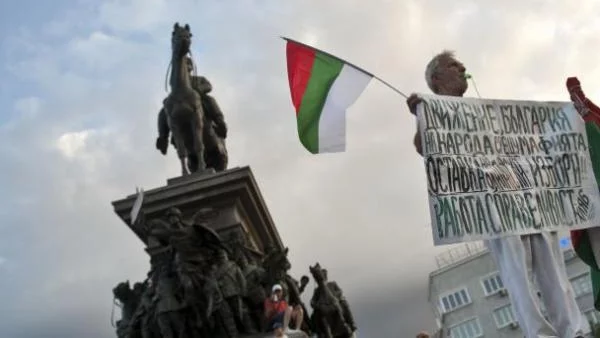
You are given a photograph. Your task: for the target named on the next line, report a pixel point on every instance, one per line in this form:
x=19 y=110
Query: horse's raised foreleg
x=180 y=146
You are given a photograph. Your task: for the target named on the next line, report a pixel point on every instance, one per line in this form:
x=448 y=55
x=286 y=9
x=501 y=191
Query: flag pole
x=359 y=68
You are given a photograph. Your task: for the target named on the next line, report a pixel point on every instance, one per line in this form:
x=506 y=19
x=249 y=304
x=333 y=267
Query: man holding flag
x=516 y=255
x=324 y=86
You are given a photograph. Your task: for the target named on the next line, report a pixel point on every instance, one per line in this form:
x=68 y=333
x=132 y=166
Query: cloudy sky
x=82 y=81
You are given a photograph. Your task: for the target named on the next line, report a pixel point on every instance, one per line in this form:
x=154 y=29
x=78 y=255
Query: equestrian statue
x=192 y=117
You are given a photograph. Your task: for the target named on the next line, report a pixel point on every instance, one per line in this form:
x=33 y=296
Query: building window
x=467 y=329
x=492 y=284
x=593 y=316
x=504 y=316
x=455 y=300
x=582 y=285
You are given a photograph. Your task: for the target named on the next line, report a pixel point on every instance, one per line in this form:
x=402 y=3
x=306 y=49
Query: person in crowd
x=516 y=255
x=279 y=313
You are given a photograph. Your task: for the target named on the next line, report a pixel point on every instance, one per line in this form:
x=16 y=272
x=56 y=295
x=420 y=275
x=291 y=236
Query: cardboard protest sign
x=503 y=167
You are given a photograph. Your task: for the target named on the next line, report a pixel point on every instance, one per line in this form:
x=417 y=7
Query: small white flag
x=137 y=206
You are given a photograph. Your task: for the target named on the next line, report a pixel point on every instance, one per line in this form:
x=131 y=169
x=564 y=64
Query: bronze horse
x=215 y=128
x=328 y=315
x=183 y=106
x=128 y=302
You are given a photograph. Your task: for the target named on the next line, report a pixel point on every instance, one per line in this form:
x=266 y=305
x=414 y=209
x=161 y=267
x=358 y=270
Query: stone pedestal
x=234 y=193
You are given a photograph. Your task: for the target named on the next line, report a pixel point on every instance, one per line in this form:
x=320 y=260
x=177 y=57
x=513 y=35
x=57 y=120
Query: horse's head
x=138 y=288
x=281 y=261
x=181 y=39
x=276 y=263
x=122 y=291
x=317 y=273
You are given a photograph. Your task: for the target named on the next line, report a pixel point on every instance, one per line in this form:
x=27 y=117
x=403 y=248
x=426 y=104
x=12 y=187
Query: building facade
x=469 y=300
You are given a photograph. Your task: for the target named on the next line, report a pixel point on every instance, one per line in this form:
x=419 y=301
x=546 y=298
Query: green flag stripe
x=324 y=72
x=584 y=251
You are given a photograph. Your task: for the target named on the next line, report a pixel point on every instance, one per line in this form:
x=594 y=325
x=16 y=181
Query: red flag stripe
x=300 y=61
x=576 y=237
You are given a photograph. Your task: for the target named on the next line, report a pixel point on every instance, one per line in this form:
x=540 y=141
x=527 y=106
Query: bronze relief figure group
x=200 y=285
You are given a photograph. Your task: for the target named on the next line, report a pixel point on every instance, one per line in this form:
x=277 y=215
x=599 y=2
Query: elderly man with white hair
x=515 y=256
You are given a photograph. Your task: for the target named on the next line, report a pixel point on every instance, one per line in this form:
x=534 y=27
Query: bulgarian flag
x=586 y=242
x=323 y=87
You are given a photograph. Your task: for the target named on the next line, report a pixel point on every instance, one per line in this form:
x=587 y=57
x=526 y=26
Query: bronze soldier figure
x=233 y=286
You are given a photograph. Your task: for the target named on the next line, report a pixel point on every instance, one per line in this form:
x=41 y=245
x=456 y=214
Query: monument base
x=234 y=193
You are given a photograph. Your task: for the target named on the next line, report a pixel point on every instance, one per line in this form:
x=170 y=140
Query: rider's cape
x=586 y=242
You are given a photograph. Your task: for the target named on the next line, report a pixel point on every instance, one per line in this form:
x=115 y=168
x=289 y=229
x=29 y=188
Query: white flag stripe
x=347 y=87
